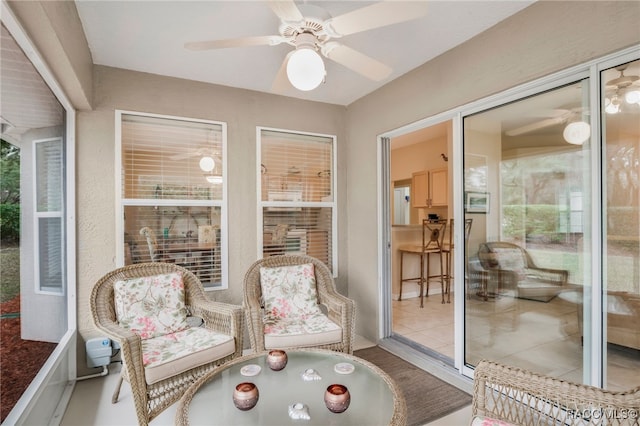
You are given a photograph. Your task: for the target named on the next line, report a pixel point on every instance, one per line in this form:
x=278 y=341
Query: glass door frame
x=594 y=353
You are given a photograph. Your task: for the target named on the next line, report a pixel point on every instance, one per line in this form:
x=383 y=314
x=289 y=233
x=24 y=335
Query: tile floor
x=538 y=336
x=91 y=404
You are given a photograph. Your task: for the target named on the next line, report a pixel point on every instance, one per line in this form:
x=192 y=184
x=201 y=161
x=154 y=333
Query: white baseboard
x=413 y=293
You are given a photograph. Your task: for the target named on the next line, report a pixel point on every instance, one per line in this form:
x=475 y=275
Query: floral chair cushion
x=168 y=355
x=310 y=324
x=151 y=306
x=289 y=291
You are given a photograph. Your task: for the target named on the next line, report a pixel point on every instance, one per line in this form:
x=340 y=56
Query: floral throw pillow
x=289 y=291
x=151 y=306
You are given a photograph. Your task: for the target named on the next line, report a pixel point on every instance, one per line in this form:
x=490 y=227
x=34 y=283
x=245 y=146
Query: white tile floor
x=538 y=336
x=91 y=404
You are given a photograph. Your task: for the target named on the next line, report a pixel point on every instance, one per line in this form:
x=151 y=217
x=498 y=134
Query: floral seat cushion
x=292 y=315
x=310 y=330
x=488 y=421
x=171 y=354
x=151 y=306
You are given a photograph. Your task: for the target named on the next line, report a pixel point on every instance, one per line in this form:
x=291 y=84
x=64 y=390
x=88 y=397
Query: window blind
x=296 y=194
x=172 y=208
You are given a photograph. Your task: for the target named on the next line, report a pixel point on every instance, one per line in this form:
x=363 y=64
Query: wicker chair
x=524 y=398
x=340 y=309
x=151 y=399
x=510 y=267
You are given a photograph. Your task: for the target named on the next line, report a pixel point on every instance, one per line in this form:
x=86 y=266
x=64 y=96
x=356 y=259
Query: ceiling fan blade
x=235 y=42
x=356 y=61
x=375 y=16
x=281 y=83
x=538 y=125
x=287 y=11
x=183 y=156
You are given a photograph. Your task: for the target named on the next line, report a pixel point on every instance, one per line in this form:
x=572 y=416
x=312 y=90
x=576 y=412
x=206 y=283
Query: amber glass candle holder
x=277 y=359
x=337 y=398
x=245 y=396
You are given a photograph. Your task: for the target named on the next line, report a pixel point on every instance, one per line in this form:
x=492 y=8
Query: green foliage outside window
x=9 y=192
x=532 y=221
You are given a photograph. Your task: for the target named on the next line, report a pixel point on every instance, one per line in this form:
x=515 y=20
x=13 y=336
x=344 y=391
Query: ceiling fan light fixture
x=612 y=106
x=305 y=68
x=632 y=97
x=577 y=133
x=207 y=164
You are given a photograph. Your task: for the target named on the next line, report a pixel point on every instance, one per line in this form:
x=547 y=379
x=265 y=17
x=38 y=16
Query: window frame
x=333 y=204
x=122 y=202
x=38 y=215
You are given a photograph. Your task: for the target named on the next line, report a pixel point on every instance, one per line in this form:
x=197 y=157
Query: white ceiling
x=149 y=36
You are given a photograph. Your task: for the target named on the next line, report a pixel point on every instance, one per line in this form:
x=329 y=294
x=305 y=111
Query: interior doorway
x=420 y=184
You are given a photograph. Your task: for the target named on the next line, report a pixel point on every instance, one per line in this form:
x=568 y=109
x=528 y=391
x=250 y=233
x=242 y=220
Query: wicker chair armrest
x=553 y=276
x=130 y=349
x=218 y=316
x=339 y=307
x=342 y=311
x=254 y=315
x=115 y=332
x=221 y=317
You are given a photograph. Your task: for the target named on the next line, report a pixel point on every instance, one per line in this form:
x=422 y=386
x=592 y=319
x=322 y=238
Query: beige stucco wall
x=544 y=38
x=242 y=110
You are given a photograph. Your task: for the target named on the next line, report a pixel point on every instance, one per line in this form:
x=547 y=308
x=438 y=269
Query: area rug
x=428 y=398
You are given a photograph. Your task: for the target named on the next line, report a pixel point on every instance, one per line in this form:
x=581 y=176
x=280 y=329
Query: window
x=49 y=215
x=173 y=194
x=297 y=194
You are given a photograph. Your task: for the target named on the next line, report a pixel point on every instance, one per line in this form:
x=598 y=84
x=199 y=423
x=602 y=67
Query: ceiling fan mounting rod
x=306 y=40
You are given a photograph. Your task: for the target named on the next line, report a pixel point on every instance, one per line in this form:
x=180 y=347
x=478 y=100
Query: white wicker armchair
x=339 y=309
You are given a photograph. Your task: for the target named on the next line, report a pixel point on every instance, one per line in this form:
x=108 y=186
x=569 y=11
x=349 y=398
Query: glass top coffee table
x=375 y=397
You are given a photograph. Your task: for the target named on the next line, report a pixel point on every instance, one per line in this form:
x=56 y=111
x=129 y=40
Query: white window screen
x=49 y=160
x=297 y=194
x=172 y=194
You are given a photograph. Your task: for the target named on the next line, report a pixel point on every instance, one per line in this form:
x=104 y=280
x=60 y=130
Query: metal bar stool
x=432 y=239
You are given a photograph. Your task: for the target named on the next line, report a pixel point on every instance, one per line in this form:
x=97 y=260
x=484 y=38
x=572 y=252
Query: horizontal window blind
x=49 y=160
x=297 y=194
x=161 y=159
x=172 y=194
x=296 y=164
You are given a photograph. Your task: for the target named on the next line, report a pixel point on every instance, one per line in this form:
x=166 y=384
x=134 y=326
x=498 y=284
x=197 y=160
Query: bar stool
x=432 y=239
x=447 y=249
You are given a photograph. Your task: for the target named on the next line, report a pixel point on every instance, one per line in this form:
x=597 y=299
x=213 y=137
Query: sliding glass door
x=620 y=89
x=529 y=260
x=552 y=281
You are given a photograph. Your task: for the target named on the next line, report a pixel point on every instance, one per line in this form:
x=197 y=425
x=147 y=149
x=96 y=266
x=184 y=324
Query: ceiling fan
x=310 y=29
x=625 y=87
x=553 y=118
x=206 y=149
